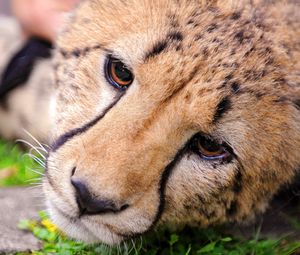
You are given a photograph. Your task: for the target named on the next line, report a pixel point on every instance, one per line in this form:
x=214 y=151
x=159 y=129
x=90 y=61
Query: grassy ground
x=16 y=169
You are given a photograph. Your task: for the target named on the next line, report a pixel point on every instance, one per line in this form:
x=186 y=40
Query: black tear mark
x=158 y=48
x=77 y=131
x=223 y=106
x=162 y=189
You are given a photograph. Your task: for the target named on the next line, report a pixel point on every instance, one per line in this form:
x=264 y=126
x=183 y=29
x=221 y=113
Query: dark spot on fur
x=281 y=99
x=254 y=75
x=270 y=61
x=63 y=53
x=205 y=52
x=76 y=53
x=97 y=47
x=158 y=48
x=190 y=21
x=187 y=207
x=236 y=16
x=232 y=52
x=216 y=40
x=178 y=47
x=223 y=106
x=259 y=95
x=229 y=77
x=175 y=36
x=240 y=36
x=187 y=97
x=212 y=27
x=86 y=50
x=226 y=80
x=195 y=13
x=196 y=55
x=213 y=9
x=198 y=37
x=173 y=20
x=74 y=87
x=280 y=81
x=249 y=51
x=268 y=50
x=235 y=86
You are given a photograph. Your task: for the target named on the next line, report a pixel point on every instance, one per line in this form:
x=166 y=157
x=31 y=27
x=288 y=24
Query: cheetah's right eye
x=117 y=74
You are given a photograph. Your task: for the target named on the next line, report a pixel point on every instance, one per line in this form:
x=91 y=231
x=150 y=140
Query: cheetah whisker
x=31 y=146
x=36 y=159
x=36 y=140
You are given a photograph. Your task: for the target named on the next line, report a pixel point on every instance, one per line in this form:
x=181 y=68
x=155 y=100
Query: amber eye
x=118 y=74
x=209 y=149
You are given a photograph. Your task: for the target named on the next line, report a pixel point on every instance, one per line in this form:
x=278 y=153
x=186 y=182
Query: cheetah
x=172 y=112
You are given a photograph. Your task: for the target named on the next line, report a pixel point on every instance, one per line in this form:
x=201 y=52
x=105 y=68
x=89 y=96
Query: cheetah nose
x=89 y=205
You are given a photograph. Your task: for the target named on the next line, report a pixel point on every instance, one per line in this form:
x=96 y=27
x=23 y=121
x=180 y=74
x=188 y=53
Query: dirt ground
x=16 y=204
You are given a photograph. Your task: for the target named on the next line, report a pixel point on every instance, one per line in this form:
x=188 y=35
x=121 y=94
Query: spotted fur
x=227 y=69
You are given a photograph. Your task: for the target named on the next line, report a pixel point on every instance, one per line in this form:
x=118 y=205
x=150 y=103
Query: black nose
x=89 y=205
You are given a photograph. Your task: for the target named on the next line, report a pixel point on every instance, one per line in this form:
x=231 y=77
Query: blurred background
x=4 y=7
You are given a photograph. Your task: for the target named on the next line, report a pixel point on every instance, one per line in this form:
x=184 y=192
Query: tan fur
x=246 y=51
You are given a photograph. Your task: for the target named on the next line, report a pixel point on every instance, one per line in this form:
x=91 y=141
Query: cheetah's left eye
x=209 y=149
x=117 y=74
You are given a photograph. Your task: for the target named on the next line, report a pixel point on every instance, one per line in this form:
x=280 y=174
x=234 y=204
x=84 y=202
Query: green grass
x=16 y=167
x=15 y=170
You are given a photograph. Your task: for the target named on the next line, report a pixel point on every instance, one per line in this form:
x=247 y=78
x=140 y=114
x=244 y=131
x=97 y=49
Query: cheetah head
x=181 y=112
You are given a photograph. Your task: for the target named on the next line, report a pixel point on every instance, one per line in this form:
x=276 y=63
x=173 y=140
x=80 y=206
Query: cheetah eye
x=117 y=74
x=209 y=149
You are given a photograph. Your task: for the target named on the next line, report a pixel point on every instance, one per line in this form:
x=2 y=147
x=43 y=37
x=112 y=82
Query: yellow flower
x=49 y=225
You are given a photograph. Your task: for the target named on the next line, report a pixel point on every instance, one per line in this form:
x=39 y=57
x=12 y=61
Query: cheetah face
x=167 y=112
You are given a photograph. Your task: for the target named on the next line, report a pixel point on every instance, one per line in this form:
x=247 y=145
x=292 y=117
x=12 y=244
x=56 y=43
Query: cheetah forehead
x=230 y=41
